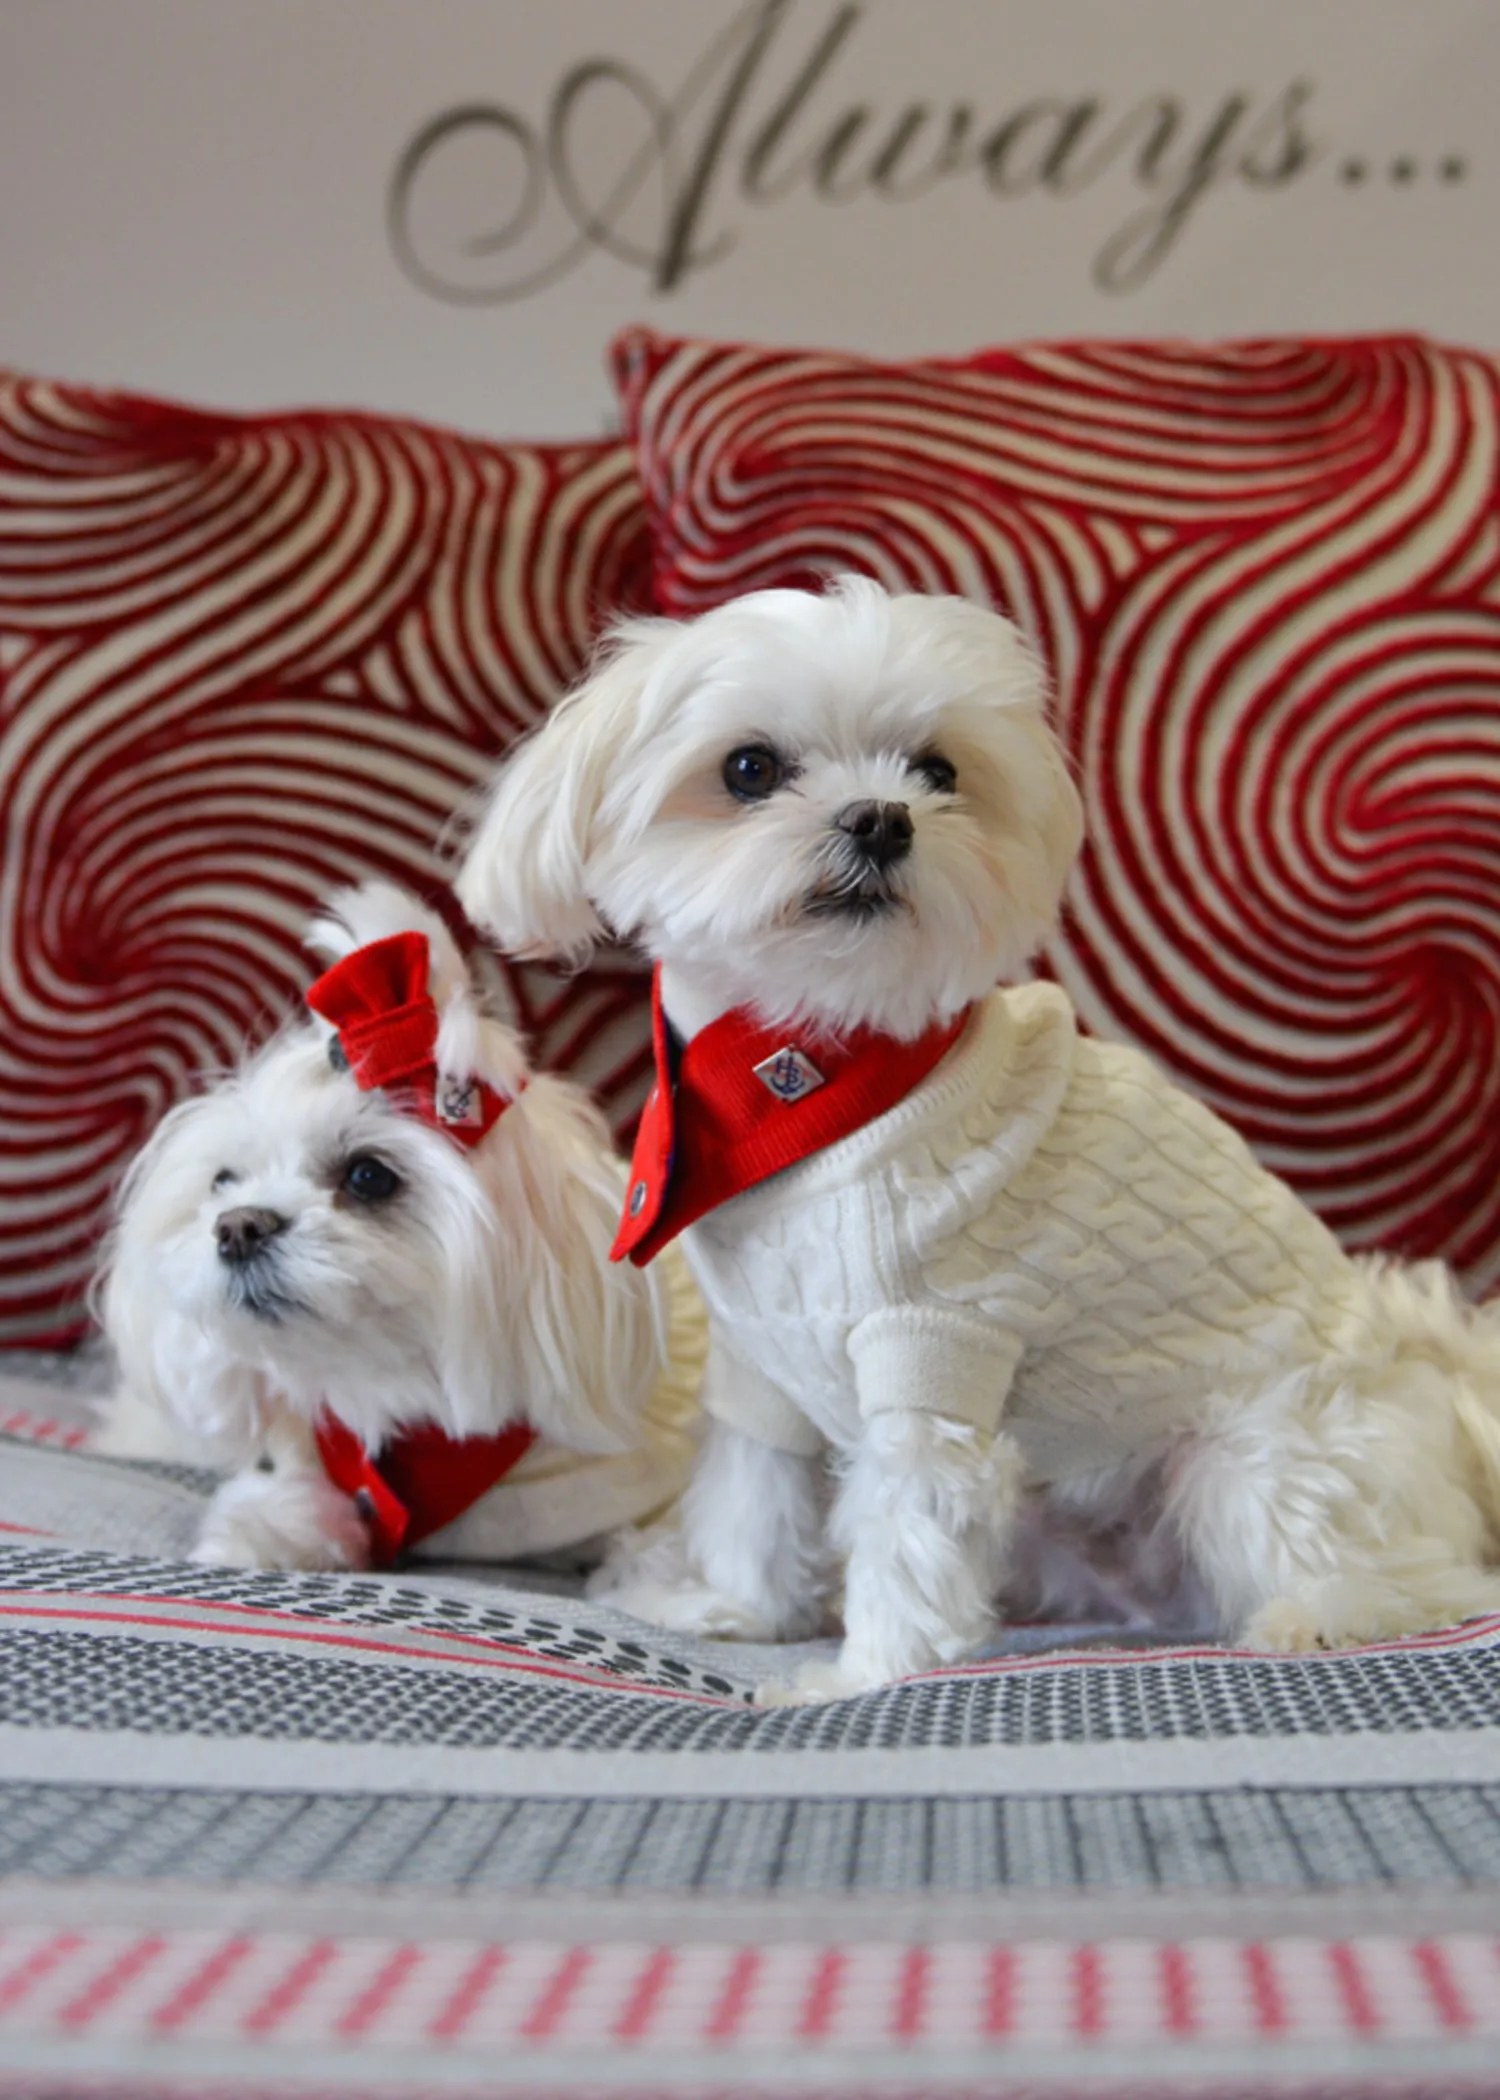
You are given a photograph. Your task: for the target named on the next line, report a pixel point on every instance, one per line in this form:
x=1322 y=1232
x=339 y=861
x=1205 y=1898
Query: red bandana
x=387 y=1024
x=422 y=1480
x=746 y=1101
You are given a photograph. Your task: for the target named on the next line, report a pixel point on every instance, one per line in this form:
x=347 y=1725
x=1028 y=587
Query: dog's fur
x=1328 y=1506
x=477 y=1295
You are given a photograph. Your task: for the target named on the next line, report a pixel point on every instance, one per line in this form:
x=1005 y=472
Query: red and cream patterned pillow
x=1266 y=577
x=244 y=660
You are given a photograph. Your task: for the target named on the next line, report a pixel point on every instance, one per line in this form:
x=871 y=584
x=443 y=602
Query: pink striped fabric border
x=42 y=1429
x=129 y=1609
x=452 y=1998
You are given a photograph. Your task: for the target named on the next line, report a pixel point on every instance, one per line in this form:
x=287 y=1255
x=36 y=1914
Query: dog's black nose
x=242 y=1233
x=881 y=831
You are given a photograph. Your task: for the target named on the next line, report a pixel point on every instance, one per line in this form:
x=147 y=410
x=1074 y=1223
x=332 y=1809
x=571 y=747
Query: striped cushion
x=244 y=660
x=1267 y=579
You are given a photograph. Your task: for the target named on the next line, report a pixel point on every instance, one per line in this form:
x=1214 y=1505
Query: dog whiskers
x=262 y=1300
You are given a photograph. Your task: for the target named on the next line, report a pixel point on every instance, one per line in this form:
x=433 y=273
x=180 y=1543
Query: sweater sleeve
x=935 y=1359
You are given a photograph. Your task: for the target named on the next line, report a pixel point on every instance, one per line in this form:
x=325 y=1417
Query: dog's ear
x=374 y=910
x=525 y=875
x=121 y=1298
x=1001 y=713
x=1044 y=829
x=536 y=1312
x=470 y=1038
x=174 y=1390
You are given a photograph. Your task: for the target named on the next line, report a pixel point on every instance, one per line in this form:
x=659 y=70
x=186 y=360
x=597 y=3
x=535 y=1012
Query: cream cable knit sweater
x=1047 y=1228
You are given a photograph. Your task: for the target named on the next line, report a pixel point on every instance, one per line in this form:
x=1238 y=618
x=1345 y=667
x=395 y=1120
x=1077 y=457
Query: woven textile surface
x=1265 y=579
x=452 y=1831
x=244 y=660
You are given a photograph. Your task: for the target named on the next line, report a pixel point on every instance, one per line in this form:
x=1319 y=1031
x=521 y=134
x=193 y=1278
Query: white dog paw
x=689 y=1608
x=1285 y=1627
x=228 y=1546
x=817 y=1683
x=260 y=1547
x=1351 y=1616
x=283 y=1524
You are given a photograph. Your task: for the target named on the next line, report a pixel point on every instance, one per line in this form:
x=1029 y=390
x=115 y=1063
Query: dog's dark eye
x=369 y=1180
x=223 y=1179
x=753 y=772
x=938 y=772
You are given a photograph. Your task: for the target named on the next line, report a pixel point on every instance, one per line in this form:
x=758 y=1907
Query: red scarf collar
x=386 y=1028
x=421 y=1481
x=741 y=1101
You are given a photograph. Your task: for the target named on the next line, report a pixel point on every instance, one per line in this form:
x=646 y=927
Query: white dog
x=941 y=1236
x=368 y=1273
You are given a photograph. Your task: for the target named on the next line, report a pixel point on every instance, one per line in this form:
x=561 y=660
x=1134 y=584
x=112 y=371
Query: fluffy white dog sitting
x=368 y=1272
x=941 y=1236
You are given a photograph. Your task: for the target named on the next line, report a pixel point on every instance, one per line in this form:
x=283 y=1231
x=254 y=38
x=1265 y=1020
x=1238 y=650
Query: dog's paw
x=260 y=1546
x=818 y=1683
x=685 y=1608
x=283 y=1523
x=231 y=1545
x=1285 y=1627
x=1351 y=1614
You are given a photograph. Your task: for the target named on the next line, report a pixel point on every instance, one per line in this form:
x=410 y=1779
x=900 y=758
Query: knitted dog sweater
x=1046 y=1228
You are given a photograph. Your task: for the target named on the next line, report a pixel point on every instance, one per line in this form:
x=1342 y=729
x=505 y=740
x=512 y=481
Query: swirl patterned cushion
x=1266 y=577
x=242 y=661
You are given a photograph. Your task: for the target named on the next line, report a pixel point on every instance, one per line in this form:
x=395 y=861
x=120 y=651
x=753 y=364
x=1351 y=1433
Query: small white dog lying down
x=940 y=1234
x=368 y=1272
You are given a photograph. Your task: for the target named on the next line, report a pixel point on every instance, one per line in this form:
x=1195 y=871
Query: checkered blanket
x=462 y=1831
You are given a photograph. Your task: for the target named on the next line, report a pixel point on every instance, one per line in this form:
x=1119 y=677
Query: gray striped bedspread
x=463 y=1831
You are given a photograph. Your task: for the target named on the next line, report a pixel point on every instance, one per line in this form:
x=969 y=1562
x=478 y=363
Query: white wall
x=196 y=196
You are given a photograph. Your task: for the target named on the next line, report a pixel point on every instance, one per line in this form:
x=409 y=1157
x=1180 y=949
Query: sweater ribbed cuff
x=933 y=1360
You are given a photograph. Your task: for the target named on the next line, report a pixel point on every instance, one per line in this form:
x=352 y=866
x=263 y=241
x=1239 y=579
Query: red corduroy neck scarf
x=421 y=1481
x=387 y=1028
x=741 y=1101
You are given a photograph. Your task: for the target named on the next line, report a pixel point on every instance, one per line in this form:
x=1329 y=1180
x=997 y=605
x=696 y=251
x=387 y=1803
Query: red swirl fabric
x=1266 y=577
x=244 y=660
